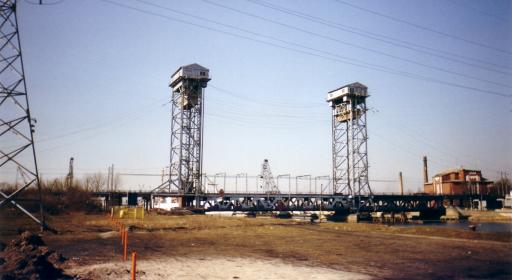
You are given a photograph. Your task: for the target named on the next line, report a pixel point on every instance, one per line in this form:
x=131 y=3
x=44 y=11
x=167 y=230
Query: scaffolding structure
x=17 y=152
x=349 y=140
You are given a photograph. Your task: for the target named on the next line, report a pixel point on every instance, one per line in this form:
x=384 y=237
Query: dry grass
x=375 y=250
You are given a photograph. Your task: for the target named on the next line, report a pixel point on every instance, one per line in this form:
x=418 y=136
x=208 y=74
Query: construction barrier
x=123 y=231
x=123 y=212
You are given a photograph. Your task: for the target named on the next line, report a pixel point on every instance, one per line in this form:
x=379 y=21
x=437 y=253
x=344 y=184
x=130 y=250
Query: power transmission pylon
x=16 y=124
x=268 y=183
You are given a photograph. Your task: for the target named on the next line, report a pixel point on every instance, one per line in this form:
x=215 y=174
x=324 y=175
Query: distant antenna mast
x=268 y=182
x=69 y=177
x=16 y=124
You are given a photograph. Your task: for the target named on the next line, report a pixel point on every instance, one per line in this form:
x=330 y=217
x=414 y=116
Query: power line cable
x=386 y=39
x=43 y=3
x=429 y=142
x=97 y=126
x=478 y=11
x=365 y=65
x=126 y=121
x=418 y=26
x=253 y=100
x=355 y=45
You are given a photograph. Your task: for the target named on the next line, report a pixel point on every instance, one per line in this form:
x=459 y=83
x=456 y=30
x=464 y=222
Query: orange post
x=125 y=244
x=121 y=230
x=134 y=265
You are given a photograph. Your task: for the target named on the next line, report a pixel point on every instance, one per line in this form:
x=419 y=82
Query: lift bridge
x=346 y=189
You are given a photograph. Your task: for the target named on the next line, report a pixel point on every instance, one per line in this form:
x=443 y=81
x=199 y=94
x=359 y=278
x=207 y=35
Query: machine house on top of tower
x=343 y=100
x=189 y=80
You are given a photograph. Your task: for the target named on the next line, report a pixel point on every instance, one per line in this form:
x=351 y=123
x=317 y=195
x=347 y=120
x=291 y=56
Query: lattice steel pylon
x=17 y=151
x=267 y=179
x=187 y=118
x=349 y=140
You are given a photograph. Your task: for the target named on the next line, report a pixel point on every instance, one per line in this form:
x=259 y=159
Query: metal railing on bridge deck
x=243 y=183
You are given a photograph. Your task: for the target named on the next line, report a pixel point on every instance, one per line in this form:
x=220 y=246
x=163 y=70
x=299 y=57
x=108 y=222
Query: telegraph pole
x=401 y=183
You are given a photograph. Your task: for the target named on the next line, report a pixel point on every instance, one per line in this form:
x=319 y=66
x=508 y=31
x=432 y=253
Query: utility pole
x=112 y=178
x=16 y=123
x=108 y=178
x=401 y=183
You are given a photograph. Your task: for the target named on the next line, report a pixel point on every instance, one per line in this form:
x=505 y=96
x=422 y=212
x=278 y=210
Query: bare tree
x=503 y=186
x=94 y=182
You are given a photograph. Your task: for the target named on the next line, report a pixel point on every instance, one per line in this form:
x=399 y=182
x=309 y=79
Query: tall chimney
x=425 y=170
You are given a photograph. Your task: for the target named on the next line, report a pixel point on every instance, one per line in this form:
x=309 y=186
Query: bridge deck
x=312 y=202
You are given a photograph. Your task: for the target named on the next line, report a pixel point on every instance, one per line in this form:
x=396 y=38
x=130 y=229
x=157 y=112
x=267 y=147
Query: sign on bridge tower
x=349 y=139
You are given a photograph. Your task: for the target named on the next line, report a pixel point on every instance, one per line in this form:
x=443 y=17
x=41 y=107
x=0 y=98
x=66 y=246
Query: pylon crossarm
x=41 y=223
x=5 y=37
x=14 y=194
x=11 y=126
x=10 y=156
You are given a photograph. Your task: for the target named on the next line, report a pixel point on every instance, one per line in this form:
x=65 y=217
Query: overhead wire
x=448 y=152
x=343 y=61
x=124 y=122
x=421 y=27
x=100 y=124
x=274 y=103
x=478 y=11
x=44 y=3
x=421 y=48
x=345 y=42
x=403 y=148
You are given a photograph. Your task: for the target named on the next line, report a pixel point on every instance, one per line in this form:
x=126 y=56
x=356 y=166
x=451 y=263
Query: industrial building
x=459 y=181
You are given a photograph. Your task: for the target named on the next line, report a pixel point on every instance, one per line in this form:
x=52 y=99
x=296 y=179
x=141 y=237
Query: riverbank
x=489 y=215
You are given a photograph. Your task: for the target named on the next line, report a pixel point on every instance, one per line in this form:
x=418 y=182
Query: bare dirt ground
x=209 y=247
x=213 y=268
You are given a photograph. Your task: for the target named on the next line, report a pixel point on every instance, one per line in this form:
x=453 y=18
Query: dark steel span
x=261 y=202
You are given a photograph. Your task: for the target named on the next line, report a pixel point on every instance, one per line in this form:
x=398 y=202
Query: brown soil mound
x=27 y=257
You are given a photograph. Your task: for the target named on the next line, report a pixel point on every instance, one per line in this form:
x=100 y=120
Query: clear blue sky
x=439 y=75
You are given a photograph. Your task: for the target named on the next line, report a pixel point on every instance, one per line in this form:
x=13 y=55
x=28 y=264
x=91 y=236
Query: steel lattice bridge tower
x=349 y=140
x=186 y=157
x=17 y=152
